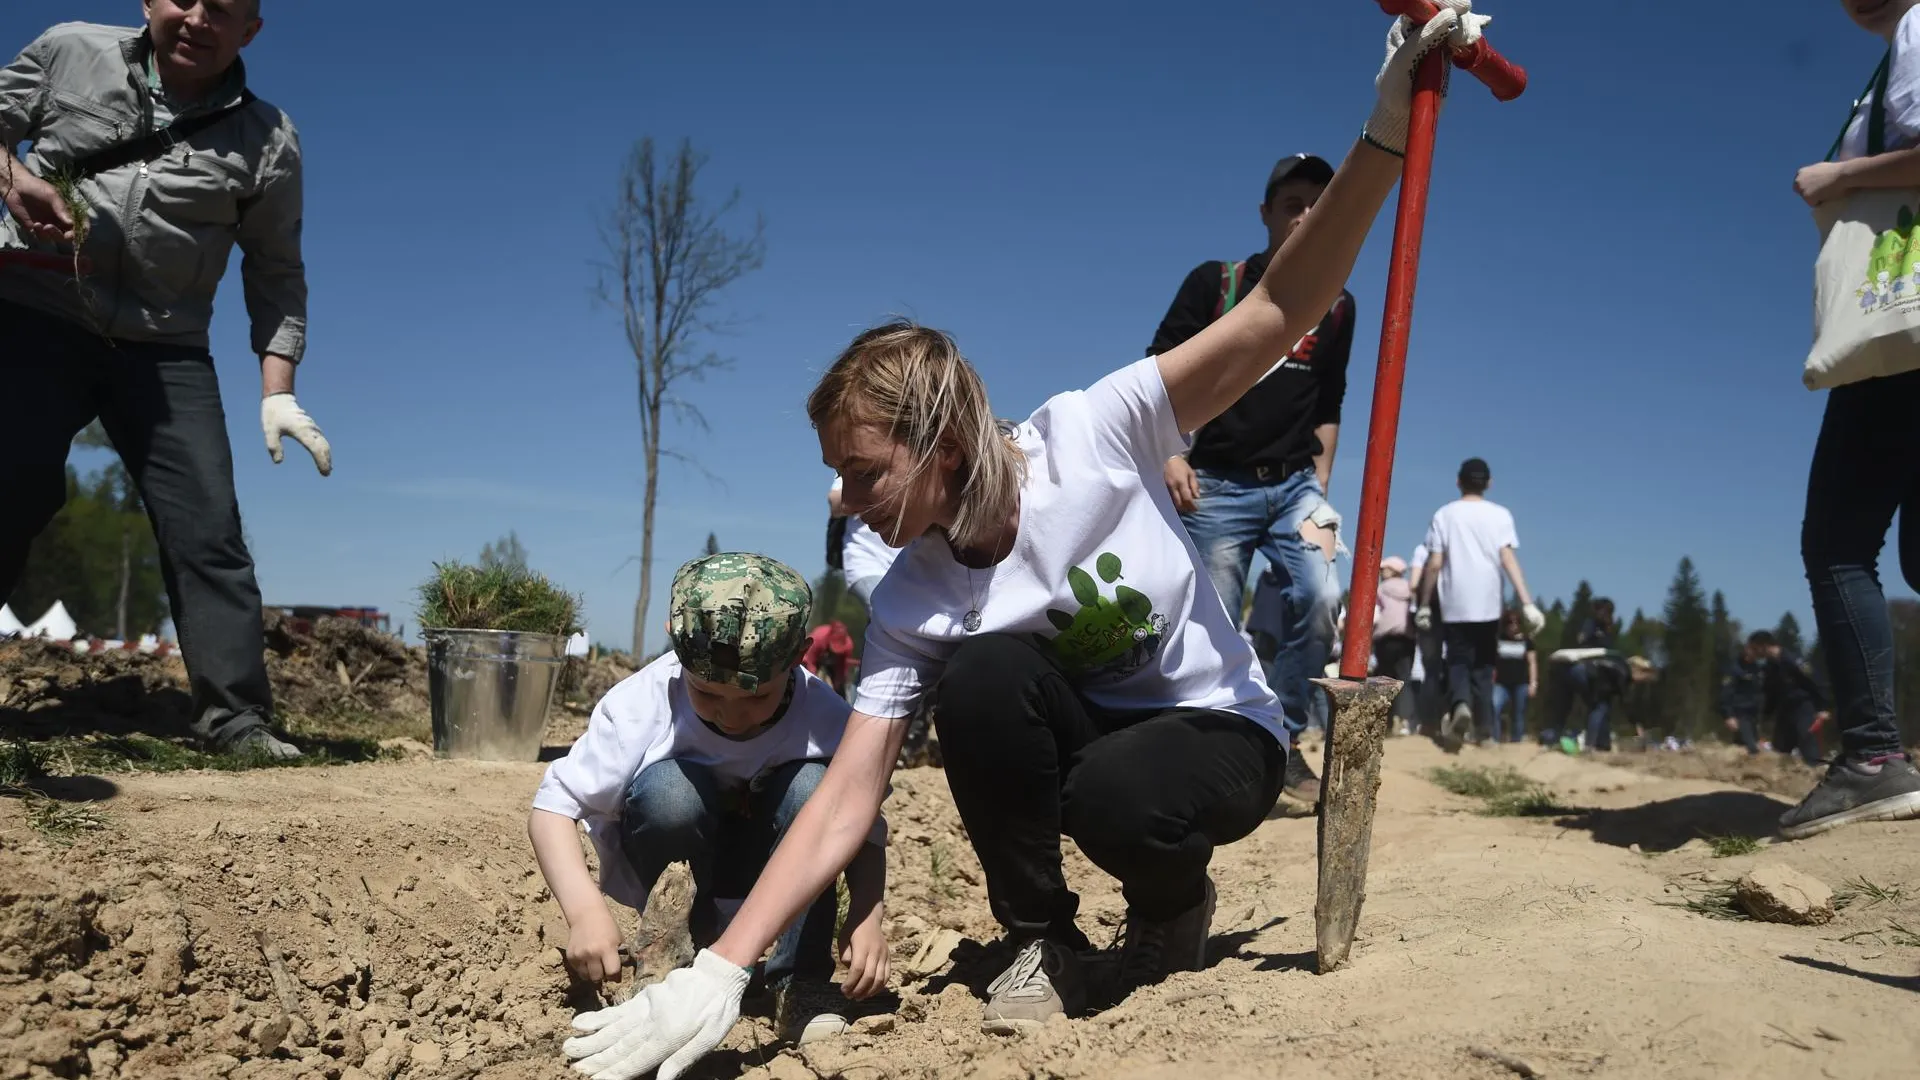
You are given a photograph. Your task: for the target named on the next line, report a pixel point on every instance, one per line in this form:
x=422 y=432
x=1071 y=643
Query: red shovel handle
x=1505 y=78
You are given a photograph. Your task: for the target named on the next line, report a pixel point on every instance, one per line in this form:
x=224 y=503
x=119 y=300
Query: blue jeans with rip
x=1517 y=693
x=677 y=812
x=1866 y=466
x=1240 y=512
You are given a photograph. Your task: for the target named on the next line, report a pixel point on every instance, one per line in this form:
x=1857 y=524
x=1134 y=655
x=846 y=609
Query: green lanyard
x=1876 y=113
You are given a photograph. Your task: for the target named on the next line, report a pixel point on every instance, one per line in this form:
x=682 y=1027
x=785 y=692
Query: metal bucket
x=490 y=690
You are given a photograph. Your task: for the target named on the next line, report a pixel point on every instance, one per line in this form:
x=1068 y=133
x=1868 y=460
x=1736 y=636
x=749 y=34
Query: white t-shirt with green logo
x=1102 y=574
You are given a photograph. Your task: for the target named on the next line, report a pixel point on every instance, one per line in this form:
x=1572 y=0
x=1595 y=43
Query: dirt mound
x=341 y=664
x=1775 y=774
x=48 y=689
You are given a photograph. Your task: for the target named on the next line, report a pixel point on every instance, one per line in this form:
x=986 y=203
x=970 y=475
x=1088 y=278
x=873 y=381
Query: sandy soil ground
x=385 y=920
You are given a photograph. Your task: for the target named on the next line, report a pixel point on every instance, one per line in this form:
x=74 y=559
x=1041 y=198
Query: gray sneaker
x=1883 y=789
x=1045 y=981
x=807 y=1011
x=1156 y=949
x=261 y=743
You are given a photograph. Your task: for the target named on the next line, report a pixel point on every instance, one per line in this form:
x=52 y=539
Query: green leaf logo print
x=1116 y=636
x=1893 y=264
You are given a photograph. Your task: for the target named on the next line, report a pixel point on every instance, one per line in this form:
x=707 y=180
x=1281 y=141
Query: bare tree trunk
x=126 y=581
x=646 y=555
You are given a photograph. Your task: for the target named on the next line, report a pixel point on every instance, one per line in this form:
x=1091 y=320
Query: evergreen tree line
x=1694 y=640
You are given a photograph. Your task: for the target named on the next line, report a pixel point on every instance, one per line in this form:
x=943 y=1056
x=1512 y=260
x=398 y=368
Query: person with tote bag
x=1866 y=465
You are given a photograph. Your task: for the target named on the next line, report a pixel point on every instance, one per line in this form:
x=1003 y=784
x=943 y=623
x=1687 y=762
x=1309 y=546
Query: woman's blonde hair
x=912 y=381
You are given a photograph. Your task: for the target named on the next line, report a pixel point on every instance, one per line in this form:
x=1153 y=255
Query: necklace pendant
x=972 y=621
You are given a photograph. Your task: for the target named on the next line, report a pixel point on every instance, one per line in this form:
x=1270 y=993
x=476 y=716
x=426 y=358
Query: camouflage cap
x=738 y=618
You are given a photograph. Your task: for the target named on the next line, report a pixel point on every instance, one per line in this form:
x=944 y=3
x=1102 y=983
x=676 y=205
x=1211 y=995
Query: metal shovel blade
x=1359 y=715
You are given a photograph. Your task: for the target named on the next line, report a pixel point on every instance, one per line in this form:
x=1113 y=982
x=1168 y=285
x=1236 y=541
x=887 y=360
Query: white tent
x=577 y=644
x=55 y=625
x=10 y=624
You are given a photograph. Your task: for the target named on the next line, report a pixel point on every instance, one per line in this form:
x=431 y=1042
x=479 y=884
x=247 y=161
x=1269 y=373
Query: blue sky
x=1613 y=307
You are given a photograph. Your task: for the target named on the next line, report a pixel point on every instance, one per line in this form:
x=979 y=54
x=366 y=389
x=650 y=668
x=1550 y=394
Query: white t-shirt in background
x=1471 y=533
x=648 y=718
x=1102 y=574
x=1903 y=96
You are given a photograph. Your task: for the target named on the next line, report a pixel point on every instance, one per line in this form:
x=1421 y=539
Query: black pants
x=1866 y=467
x=160 y=404
x=1432 y=700
x=1472 y=650
x=1393 y=657
x=1793 y=731
x=1146 y=797
x=1747 y=725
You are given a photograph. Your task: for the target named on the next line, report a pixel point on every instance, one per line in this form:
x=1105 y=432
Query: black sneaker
x=1883 y=789
x=1156 y=949
x=1298 y=781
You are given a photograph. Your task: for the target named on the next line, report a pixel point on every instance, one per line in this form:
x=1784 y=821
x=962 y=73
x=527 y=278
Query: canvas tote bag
x=1866 y=282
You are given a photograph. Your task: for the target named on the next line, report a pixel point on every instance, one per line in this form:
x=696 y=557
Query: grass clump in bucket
x=463 y=597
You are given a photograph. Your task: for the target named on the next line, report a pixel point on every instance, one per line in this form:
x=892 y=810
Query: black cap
x=1475 y=469
x=1306 y=167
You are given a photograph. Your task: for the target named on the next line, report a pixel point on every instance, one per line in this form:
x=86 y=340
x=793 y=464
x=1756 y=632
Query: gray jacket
x=159 y=232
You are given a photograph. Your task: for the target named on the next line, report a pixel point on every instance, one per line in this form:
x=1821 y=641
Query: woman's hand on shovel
x=1457 y=26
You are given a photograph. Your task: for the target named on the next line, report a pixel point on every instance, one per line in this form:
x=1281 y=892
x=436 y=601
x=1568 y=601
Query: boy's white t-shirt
x=1471 y=533
x=1903 y=96
x=648 y=718
x=1102 y=574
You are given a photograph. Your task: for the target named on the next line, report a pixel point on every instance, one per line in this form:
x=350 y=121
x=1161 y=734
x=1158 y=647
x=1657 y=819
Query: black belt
x=1258 y=474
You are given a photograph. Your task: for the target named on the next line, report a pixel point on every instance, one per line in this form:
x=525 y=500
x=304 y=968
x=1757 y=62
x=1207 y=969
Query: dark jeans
x=1393 y=657
x=1577 y=683
x=1432 y=700
x=1865 y=467
x=1748 y=723
x=1472 y=650
x=160 y=404
x=1146 y=797
x=676 y=812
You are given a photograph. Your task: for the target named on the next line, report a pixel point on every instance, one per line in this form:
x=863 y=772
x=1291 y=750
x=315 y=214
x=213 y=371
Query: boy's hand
x=1183 y=484
x=593 y=948
x=1822 y=182
x=863 y=948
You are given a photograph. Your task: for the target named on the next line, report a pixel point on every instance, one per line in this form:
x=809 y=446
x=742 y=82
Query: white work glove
x=1535 y=621
x=671 y=1024
x=281 y=415
x=1423 y=618
x=1457 y=25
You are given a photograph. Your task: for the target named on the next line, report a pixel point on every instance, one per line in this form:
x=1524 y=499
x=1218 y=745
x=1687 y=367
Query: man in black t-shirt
x=1256 y=477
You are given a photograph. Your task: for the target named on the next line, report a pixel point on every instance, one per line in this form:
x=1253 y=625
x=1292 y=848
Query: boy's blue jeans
x=676 y=812
x=1240 y=512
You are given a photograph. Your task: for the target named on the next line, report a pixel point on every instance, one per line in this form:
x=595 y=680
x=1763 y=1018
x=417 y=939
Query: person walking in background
x=1256 y=476
x=173 y=162
x=1472 y=542
x=1516 y=676
x=1393 y=647
x=1743 y=694
x=1598 y=678
x=1790 y=696
x=1429 y=658
x=1866 y=466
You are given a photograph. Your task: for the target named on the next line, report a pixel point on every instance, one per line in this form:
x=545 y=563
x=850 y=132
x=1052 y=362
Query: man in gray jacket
x=150 y=160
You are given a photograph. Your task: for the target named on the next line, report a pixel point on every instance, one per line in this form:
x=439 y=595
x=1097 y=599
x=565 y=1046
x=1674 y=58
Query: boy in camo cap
x=705 y=756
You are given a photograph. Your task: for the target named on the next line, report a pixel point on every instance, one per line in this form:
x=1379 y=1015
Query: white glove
x=671 y=1024
x=1535 y=621
x=1456 y=23
x=1423 y=618
x=281 y=415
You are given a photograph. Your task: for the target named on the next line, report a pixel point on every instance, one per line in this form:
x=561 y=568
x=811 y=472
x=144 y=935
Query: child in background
x=705 y=756
x=1516 y=677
